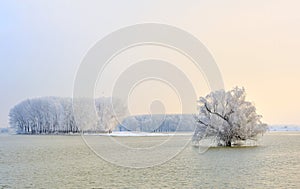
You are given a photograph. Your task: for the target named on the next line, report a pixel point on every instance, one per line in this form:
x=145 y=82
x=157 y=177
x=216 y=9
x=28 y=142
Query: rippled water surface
x=66 y=162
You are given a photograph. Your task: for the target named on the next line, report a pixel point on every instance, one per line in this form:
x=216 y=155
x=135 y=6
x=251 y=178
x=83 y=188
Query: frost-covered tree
x=43 y=115
x=158 y=123
x=110 y=112
x=228 y=117
x=55 y=115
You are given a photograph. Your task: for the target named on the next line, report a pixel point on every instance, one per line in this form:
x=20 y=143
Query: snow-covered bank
x=140 y=134
x=272 y=128
x=284 y=128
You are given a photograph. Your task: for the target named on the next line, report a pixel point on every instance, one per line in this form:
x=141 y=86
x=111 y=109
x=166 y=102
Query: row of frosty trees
x=47 y=115
x=158 y=123
x=225 y=116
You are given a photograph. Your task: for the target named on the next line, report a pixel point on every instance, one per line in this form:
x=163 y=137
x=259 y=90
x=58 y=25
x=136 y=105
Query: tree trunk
x=228 y=143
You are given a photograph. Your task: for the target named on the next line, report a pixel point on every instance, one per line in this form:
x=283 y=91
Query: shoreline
x=139 y=134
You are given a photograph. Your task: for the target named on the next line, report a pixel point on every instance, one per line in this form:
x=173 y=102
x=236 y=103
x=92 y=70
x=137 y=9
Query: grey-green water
x=66 y=162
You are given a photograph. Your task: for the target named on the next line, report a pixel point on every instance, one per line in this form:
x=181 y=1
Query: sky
x=254 y=43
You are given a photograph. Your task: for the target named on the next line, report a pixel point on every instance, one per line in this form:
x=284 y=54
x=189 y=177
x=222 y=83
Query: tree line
x=46 y=115
x=158 y=123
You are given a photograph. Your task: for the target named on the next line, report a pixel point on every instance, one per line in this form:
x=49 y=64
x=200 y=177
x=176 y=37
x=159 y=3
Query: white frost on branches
x=228 y=117
x=55 y=115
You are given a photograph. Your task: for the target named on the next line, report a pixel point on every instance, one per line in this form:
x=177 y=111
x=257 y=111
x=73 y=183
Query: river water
x=66 y=162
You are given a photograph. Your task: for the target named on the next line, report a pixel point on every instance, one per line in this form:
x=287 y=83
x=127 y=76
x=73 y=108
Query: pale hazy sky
x=255 y=44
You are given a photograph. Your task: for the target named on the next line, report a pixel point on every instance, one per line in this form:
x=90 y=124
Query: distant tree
x=228 y=117
x=158 y=123
x=110 y=112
